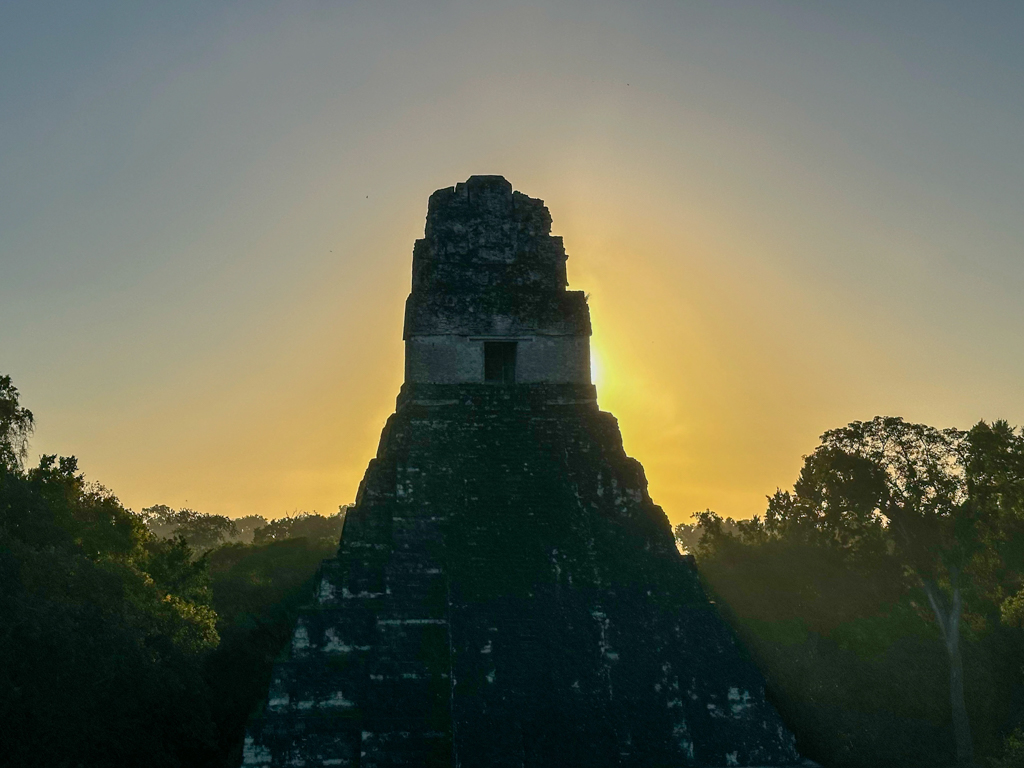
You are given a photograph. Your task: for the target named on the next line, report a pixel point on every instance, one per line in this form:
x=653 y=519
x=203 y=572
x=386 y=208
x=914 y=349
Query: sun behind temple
x=506 y=593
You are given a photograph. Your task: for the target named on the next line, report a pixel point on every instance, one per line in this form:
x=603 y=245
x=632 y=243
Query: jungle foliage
x=882 y=596
x=879 y=596
x=121 y=646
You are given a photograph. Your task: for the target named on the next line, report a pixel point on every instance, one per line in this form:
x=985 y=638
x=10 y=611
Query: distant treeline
x=135 y=639
x=203 y=532
x=882 y=597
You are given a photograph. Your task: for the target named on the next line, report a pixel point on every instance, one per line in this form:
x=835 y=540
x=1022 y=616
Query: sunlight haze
x=786 y=216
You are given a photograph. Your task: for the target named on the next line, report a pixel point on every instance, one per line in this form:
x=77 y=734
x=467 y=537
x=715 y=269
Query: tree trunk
x=949 y=623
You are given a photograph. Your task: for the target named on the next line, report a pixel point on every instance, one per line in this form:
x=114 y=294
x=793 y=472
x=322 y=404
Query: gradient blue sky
x=788 y=216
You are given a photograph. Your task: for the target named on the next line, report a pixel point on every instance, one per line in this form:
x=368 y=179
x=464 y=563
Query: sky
x=788 y=216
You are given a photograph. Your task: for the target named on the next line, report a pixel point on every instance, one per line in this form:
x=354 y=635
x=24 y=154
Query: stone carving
x=506 y=593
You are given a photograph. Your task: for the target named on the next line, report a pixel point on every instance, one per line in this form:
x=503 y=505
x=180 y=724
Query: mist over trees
x=204 y=532
x=882 y=597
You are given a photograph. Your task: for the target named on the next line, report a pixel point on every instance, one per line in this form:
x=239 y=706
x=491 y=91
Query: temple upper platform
x=489 y=302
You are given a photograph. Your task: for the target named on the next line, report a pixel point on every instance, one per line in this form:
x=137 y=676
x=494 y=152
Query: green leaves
x=130 y=639
x=103 y=628
x=16 y=425
x=828 y=587
x=302 y=525
x=202 y=531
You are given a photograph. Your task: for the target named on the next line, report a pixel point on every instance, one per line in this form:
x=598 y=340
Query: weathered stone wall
x=506 y=594
x=488 y=267
x=448 y=359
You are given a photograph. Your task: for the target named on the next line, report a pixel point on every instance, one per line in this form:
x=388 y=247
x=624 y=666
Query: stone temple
x=505 y=592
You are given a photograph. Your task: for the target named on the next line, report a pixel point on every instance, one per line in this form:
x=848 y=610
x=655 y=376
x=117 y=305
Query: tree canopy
x=132 y=639
x=902 y=530
x=16 y=425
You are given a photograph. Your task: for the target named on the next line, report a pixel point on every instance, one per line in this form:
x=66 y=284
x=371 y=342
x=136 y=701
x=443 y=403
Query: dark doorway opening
x=500 y=362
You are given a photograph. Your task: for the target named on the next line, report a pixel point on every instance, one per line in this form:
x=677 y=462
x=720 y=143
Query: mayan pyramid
x=506 y=593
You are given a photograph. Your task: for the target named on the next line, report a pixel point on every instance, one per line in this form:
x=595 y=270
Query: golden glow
x=596 y=367
x=211 y=249
x=720 y=364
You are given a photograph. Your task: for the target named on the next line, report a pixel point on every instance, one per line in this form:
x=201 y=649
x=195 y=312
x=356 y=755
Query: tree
x=111 y=652
x=202 y=531
x=852 y=666
x=103 y=629
x=246 y=528
x=258 y=591
x=16 y=425
x=690 y=537
x=890 y=509
x=302 y=525
x=996 y=482
x=909 y=485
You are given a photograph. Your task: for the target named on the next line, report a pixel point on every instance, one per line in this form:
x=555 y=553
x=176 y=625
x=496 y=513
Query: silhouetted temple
x=506 y=593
